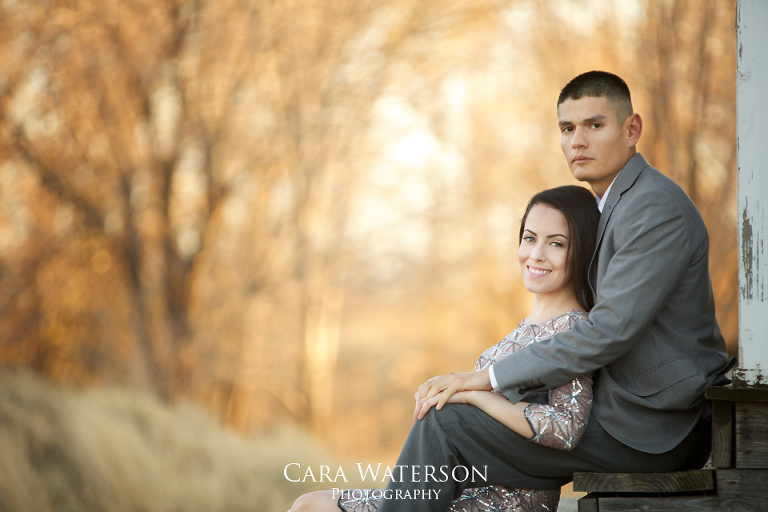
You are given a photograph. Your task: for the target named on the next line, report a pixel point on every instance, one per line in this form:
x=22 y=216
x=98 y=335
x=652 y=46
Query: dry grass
x=121 y=451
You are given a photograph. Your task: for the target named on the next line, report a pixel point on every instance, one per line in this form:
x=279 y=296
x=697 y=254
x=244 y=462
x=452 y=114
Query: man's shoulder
x=648 y=175
x=654 y=194
x=650 y=182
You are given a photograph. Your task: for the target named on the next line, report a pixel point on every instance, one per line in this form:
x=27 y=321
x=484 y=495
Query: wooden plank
x=751 y=435
x=752 y=204
x=737 y=394
x=722 y=434
x=679 y=481
x=588 y=503
x=678 y=504
x=750 y=484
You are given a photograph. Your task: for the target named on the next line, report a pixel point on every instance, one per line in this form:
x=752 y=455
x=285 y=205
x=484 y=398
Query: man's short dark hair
x=596 y=84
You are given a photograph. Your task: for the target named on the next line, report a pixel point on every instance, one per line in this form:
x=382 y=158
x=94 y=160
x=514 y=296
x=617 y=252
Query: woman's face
x=543 y=253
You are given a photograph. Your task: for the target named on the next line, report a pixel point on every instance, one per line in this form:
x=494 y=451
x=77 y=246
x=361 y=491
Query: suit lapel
x=624 y=181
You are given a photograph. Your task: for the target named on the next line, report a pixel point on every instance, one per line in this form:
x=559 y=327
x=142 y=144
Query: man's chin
x=580 y=173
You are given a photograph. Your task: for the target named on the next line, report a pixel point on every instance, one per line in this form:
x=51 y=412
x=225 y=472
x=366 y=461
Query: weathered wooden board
x=737 y=394
x=752 y=214
x=679 y=481
x=588 y=504
x=751 y=484
x=722 y=434
x=675 y=504
x=751 y=424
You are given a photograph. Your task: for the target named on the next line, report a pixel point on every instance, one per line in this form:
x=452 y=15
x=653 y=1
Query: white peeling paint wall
x=752 y=143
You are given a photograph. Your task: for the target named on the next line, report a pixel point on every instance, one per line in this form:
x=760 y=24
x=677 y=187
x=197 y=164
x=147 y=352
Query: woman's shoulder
x=565 y=321
x=573 y=315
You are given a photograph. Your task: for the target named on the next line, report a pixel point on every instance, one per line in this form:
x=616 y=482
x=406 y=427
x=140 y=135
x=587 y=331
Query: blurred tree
x=184 y=164
x=301 y=209
x=118 y=144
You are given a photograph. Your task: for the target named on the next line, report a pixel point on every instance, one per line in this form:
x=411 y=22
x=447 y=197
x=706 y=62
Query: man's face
x=595 y=145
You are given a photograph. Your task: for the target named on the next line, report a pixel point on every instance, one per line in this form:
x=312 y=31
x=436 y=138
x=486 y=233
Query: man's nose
x=579 y=139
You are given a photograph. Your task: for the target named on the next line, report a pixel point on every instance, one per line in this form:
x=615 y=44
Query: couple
x=637 y=318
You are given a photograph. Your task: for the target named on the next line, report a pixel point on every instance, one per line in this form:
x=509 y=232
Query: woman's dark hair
x=578 y=206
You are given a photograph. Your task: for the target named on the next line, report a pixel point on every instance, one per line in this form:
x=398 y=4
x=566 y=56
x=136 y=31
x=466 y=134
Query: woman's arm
x=498 y=407
x=558 y=424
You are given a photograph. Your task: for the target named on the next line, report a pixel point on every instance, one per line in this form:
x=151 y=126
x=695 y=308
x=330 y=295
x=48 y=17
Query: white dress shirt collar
x=601 y=200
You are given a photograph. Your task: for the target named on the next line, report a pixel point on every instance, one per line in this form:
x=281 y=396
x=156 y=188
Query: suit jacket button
x=521 y=391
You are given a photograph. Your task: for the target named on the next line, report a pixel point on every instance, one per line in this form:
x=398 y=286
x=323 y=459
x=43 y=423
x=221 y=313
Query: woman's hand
x=437 y=391
x=460 y=397
x=493 y=404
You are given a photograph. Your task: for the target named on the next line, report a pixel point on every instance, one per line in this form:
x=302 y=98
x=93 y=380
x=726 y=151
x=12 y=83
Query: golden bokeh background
x=291 y=213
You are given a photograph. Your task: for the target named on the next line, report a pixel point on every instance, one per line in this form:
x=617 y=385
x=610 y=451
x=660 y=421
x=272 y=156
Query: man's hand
x=438 y=390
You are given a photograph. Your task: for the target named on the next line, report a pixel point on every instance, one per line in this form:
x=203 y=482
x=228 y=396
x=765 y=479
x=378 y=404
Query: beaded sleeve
x=559 y=423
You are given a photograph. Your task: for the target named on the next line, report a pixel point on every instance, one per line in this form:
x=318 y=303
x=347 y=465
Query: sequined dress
x=558 y=424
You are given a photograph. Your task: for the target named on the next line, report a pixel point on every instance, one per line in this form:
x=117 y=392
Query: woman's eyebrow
x=548 y=236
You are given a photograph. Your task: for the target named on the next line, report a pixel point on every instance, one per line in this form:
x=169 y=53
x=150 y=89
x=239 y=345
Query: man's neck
x=601 y=200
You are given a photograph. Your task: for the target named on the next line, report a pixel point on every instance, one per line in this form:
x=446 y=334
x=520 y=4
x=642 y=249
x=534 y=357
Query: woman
x=557 y=239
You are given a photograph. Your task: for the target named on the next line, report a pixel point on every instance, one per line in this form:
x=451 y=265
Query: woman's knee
x=446 y=418
x=319 y=501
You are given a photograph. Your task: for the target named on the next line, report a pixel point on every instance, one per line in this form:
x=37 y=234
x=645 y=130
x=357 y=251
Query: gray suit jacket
x=652 y=338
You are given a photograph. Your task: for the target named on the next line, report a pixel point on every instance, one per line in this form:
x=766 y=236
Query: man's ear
x=634 y=129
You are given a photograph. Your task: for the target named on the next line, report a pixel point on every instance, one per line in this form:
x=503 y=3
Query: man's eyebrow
x=598 y=117
x=589 y=120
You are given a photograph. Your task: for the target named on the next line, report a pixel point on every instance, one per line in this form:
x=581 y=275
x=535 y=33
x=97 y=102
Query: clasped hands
x=449 y=388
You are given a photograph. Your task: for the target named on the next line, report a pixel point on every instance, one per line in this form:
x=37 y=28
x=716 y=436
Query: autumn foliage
x=294 y=212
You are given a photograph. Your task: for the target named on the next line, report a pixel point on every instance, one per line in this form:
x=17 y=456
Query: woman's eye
x=596 y=125
x=529 y=239
x=557 y=244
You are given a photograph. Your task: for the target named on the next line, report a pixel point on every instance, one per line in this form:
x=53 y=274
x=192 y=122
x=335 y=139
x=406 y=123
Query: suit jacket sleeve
x=653 y=242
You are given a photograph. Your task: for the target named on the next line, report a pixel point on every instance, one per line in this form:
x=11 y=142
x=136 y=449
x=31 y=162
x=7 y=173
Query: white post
x=752 y=144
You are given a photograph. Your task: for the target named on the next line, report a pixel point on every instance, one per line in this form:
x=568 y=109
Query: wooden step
x=676 y=482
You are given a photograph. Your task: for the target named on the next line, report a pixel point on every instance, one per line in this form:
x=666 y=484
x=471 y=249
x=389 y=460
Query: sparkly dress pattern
x=558 y=424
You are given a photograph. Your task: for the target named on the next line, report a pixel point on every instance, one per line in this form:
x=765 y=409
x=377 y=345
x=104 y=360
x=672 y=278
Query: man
x=652 y=338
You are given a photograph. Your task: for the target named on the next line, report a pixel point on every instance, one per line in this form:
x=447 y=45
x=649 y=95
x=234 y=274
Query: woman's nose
x=538 y=253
